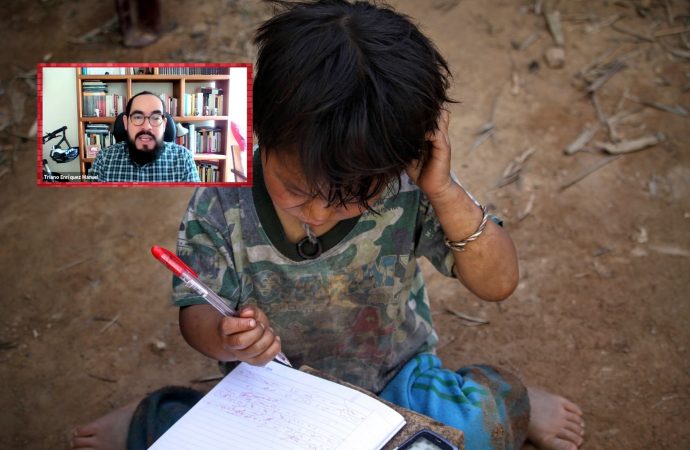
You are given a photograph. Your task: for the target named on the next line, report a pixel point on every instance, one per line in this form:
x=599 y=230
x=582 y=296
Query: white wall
x=238 y=106
x=60 y=109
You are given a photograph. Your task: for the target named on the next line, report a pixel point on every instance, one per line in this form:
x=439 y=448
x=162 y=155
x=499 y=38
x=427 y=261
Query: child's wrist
x=450 y=198
x=443 y=195
x=459 y=245
x=459 y=215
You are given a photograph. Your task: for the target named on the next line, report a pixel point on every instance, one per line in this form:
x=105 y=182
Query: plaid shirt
x=175 y=164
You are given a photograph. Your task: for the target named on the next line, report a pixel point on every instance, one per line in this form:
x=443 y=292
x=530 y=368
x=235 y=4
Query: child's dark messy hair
x=352 y=88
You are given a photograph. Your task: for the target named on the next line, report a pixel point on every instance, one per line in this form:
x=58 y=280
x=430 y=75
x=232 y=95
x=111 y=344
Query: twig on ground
x=31 y=133
x=111 y=323
x=597 y=62
x=100 y=378
x=485 y=132
x=7 y=345
x=17 y=102
x=73 y=263
x=28 y=76
x=677 y=109
x=513 y=170
x=670 y=250
x=89 y=35
x=621 y=101
x=609 y=71
x=582 y=139
x=474 y=321
x=612 y=121
x=637 y=36
x=599 y=71
x=665 y=398
x=669 y=14
x=633 y=145
x=488 y=129
x=446 y=342
x=587 y=171
x=528 y=209
x=444 y=5
x=538 y=6
x=553 y=22
x=610 y=20
x=597 y=108
x=526 y=43
x=679 y=52
x=672 y=31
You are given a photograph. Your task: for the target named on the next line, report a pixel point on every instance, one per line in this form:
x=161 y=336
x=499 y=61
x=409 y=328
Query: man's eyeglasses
x=155 y=119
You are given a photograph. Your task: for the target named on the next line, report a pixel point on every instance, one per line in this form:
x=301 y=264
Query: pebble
x=555 y=57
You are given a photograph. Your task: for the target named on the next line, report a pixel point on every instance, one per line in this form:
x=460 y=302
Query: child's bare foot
x=555 y=423
x=105 y=433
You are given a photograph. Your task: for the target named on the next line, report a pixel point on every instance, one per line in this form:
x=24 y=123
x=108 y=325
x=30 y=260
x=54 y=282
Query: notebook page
x=278 y=407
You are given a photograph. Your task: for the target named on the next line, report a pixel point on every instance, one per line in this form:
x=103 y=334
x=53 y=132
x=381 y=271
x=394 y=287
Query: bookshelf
x=196 y=97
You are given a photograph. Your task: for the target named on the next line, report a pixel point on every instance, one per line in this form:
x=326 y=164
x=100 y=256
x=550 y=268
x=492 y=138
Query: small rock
x=638 y=252
x=199 y=30
x=640 y=236
x=555 y=57
x=602 y=270
x=158 y=346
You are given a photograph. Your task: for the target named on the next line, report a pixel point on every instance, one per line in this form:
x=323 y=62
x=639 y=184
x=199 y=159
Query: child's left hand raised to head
x=488 y=264
x=433 y=175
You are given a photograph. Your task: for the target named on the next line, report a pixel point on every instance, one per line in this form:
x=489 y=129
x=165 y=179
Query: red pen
x=191 y=280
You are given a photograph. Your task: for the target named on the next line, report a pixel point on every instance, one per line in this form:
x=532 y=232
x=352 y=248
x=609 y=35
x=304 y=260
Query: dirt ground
x=602 y=311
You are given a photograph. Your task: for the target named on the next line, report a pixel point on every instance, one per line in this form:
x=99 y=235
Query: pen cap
x=170 y=260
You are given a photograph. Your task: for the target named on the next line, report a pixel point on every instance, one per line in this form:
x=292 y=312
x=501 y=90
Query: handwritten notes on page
x=276 y=407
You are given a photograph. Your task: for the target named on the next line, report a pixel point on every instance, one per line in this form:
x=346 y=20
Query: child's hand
x=433 y=178
x=249 y=337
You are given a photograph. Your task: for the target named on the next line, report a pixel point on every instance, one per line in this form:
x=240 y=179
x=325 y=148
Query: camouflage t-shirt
x=359 y=311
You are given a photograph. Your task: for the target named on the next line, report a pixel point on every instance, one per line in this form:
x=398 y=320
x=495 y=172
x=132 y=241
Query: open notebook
x=276 y=407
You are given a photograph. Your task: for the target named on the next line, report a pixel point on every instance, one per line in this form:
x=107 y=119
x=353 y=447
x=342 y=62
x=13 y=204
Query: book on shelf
x=103 y=71
x=202 y=139
x=96 y=137
x=206 y=101
x=193 y=71
x=189 y=139
x=101 y=104
x=279 y=407
x=169 y=103
x=93 y=145
x=212 y=101
x=94 y=86
x=140 y=71
x=209 y=171
x=208 y=140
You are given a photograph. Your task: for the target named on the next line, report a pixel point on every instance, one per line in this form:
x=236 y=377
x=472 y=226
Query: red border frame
x=39 y=144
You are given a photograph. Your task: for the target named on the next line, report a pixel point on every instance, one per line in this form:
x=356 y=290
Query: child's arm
x=247 y=338
x=488 y=267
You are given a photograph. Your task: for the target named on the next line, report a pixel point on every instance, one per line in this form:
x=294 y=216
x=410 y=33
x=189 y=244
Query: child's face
x=290 y=193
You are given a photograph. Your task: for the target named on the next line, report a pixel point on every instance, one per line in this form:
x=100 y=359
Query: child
x=352 y=183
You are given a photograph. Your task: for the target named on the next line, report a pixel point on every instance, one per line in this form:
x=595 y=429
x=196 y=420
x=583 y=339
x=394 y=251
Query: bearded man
x=144 y=156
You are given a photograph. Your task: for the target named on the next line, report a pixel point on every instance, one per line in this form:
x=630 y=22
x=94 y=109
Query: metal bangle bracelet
x=459 y=246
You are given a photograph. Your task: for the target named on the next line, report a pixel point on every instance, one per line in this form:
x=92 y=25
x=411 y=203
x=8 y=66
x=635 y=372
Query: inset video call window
x=122 y=124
